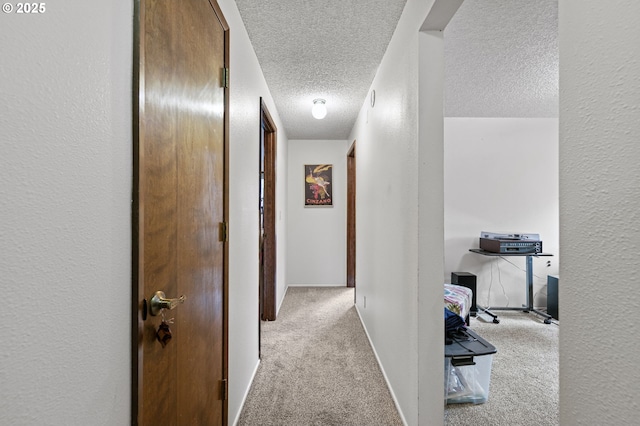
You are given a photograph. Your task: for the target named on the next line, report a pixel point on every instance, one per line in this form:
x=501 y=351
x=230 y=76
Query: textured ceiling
x=327 y=49
x=501 y=58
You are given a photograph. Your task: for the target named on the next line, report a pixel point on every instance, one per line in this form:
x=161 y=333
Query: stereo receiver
x=511 y=243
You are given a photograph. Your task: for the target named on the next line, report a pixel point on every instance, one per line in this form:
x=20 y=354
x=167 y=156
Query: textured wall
x=599 y=211
x=65 y=235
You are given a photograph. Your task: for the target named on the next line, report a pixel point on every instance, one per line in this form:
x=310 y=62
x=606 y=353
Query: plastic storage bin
x=467 y=368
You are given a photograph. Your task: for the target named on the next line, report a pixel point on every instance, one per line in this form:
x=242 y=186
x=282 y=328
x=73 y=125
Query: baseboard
x=246 y=394
x=319 y=285
x=384 y=374
x=281 y=301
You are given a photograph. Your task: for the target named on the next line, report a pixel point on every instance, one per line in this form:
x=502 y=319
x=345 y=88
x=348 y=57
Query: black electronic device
x=552 y=296
x=510 y=246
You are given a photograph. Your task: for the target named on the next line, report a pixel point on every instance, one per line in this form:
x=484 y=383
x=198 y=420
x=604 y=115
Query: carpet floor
x=524 y=377
x=317 y=366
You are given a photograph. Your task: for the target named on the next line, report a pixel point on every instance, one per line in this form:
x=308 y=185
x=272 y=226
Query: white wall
x=65 y=189
x=247 y=85
x=65 y=228
x=430 y=230
x=599 y=211
x=388 y=250
x=317 y=235
x=501 y=175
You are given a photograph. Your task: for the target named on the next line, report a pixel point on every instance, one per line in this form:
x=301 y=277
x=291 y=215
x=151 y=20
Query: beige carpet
x=524 y=378
x=317 y=366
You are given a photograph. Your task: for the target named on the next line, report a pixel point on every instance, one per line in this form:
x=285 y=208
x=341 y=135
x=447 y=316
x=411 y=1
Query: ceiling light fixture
x=319 y=110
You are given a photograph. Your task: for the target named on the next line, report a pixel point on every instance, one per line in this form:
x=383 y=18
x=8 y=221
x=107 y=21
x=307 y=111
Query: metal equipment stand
x=529 y=271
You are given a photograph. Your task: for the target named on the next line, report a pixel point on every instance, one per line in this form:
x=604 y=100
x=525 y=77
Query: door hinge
x=225 y=77
x=224 y=387
x=224 y=233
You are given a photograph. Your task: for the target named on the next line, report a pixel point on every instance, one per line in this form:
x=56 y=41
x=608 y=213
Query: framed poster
x=317 y=185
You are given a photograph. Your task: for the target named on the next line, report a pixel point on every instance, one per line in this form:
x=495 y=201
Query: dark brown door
x=351 y=216
x=268 y=141
x=180 y=181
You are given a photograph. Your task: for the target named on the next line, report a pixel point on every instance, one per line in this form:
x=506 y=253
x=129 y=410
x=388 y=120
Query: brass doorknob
x=160 y=302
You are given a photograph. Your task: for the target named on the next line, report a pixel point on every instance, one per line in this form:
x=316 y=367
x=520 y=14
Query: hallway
x=317 y=366
x=66 y=177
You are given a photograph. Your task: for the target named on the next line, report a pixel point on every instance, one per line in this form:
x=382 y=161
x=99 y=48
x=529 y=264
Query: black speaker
x=552 y=296
x=466 y=279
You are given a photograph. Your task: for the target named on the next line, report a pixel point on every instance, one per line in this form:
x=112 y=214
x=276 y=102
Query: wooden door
x=268 y=142
x=351 y=216
x=180 y=204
